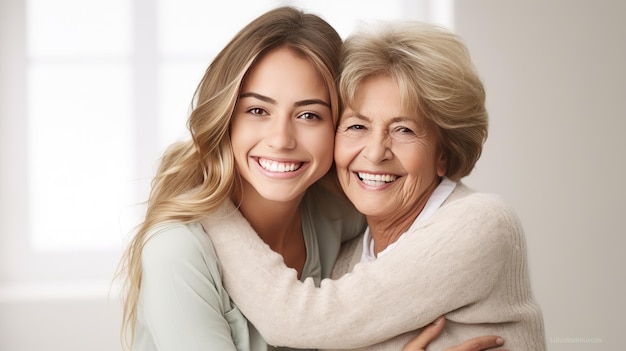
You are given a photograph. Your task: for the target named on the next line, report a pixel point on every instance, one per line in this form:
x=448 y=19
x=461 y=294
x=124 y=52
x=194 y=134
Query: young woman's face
x=387 y=159
x=282 y=129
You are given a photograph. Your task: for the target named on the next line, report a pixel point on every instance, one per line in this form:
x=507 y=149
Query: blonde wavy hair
x=436 y=78
x=197 y=175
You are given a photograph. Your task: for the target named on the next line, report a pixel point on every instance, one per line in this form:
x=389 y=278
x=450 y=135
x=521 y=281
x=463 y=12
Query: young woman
x=262 y=132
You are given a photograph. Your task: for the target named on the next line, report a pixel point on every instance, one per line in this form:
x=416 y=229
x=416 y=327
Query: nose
x=280 y=133
x=378 y=147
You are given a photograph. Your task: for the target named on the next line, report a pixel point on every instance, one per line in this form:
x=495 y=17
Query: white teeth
x=274 y=166
x=376 y=179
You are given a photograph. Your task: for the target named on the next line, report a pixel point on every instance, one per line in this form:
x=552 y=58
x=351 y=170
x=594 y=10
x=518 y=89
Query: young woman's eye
x=257 y=111
x=309 y=116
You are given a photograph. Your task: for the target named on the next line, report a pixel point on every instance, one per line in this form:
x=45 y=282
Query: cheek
x=239 y=143
x=342 y=161
x=343 y=152
x=238 y=135
x=419 y=163
x=326 y=153
x=321 y=145
x=244 y=134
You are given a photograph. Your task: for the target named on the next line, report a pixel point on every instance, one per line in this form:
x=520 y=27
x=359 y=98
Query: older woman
x=413 y=126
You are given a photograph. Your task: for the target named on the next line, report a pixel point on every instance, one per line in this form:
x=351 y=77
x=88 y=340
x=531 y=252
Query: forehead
x=379 y=97
x=283 y=65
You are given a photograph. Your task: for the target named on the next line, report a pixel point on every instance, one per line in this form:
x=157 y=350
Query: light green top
x=183 y=304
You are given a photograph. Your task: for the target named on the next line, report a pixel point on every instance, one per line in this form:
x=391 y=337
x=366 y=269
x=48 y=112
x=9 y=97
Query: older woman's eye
x=404 y=134
x=356 y=127
x=405 y=130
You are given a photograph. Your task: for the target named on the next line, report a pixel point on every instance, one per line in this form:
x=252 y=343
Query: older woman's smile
x=376 y=179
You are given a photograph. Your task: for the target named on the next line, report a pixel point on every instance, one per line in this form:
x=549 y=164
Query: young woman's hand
x=434 y=329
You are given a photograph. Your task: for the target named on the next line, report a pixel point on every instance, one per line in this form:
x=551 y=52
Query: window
x=80 y=130
x=94 y=92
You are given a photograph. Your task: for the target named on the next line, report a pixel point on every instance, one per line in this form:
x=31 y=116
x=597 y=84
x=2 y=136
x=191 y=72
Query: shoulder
x=481 y=217
x=474 y=205
x=177 y=243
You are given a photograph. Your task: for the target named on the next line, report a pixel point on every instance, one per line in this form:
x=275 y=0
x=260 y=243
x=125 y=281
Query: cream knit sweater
x=467 y=262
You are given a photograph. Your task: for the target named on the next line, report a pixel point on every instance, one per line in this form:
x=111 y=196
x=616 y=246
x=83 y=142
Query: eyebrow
x=393 y=119
x=296 y=104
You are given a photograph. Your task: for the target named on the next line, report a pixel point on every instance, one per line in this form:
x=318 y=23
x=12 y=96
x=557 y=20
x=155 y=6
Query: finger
x=428 y=334
x=479 y=344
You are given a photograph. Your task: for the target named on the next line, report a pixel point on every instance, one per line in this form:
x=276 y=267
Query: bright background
x=91 y=91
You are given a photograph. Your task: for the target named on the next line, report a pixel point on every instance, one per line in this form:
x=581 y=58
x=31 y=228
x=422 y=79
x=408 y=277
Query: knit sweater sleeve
x=452 y=260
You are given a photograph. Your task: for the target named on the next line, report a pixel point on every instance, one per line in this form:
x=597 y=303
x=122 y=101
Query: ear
x=442 y=164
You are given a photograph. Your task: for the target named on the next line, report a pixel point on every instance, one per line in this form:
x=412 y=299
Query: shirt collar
x=436 y=199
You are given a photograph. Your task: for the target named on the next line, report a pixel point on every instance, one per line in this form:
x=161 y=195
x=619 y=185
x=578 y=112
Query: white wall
x=64 y=322
x=38 y=312
x=556 y=85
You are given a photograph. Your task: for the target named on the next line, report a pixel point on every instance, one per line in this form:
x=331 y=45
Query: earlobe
x=442 y=165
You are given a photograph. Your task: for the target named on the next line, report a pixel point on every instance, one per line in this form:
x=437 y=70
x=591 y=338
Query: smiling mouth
x=280 y=167
x=376 y=179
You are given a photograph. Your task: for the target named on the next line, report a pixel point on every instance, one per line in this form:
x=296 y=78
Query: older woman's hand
x=434 y=329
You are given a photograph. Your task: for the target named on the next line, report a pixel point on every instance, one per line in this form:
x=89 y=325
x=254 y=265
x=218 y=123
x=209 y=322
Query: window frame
x=19 y=261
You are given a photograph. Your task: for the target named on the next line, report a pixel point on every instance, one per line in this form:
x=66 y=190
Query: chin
x=367 y=209
x=280 y=196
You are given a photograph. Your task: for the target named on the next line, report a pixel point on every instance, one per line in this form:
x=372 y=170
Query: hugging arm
x=453 y=260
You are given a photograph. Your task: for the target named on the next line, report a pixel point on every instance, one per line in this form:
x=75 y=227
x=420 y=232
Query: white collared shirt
x=441 y=193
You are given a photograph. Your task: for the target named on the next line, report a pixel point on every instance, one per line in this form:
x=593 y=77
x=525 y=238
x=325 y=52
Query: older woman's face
x=387 y=159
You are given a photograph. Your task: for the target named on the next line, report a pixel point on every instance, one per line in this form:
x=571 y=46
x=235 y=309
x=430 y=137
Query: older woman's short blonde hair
x=436 y=78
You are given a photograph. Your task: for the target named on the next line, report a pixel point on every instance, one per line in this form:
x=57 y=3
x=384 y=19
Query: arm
x=180 y=305
x=453 y=260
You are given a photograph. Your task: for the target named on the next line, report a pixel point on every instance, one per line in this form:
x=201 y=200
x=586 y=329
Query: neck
x=387 y=229
x=275 y=224
x=278 y=224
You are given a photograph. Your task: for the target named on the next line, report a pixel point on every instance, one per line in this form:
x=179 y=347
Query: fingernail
x=438 y=320
x=500 y=341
